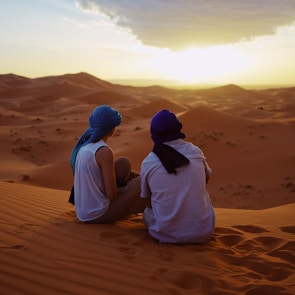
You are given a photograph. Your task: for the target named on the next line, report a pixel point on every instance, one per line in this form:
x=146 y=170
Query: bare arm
x=105 y=159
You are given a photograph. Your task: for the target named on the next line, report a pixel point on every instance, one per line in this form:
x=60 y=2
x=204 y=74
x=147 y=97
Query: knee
x=122 y=170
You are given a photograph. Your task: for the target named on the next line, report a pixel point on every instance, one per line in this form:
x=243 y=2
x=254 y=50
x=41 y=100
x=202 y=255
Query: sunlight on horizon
x=71 y=38
x=210 y=64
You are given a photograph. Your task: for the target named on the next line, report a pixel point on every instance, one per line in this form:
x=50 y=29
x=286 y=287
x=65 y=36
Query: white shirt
x=181 y=208
x=90 y=199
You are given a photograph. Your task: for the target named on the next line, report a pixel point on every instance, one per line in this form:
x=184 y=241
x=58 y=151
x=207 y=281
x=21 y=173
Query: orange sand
x=248 y=139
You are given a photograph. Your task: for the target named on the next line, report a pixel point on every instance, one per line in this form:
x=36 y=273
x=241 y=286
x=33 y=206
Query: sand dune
x=248 y=139
x=47 y=251
x=149 y=109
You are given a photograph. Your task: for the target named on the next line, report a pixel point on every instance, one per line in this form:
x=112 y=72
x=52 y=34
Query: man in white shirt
x=173 y=182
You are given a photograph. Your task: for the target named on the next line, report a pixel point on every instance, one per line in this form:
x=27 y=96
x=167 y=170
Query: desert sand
x=247 y=136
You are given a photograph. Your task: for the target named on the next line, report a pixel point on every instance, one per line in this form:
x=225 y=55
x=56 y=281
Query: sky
x=189 y=41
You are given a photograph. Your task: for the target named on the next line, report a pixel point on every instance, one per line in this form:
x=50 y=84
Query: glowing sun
x=211 y=64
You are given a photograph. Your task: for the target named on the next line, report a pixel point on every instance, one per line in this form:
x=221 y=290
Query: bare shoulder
x=104 y=154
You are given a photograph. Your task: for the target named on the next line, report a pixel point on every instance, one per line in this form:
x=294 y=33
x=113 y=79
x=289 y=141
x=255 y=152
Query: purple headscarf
x=165 y=127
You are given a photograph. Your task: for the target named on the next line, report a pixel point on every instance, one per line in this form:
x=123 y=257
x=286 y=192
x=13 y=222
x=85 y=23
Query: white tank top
x=90 y=198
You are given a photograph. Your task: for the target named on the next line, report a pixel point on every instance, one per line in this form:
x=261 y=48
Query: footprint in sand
x=185 y=280
x=288 y=229
x=250 y=247
x=272 y=271
x=225 y=230
x=269 y=243
x=228 y=236
x=251 y=229
x=230 y=240
x=286 y=252
x=237 y=240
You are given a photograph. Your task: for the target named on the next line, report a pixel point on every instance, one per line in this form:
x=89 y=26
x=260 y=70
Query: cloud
x=178 y=24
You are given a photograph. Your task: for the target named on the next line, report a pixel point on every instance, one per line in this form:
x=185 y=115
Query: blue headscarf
x=101 y=122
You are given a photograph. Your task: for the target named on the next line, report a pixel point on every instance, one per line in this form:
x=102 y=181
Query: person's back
x=181 y=211
x=105 y=190
x=90 y=199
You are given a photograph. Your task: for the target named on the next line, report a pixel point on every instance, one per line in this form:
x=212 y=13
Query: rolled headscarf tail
x=84 y=138
x=169 y=157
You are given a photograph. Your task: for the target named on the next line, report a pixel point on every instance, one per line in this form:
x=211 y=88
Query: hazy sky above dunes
x=193 y=41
